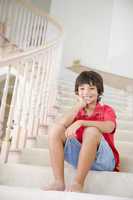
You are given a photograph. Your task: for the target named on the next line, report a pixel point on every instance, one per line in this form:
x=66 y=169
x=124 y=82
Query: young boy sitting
x=85 y=136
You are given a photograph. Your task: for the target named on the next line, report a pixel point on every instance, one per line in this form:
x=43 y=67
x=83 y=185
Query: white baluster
x=42 y=109
x=20 y=98
x=40 y=32
x=4 y=98
x=45 y=26
x=27 y=107
x=7 y=140
x=37 y=31
x=27 y=30
x=35 y=93
x=34 y=31
x=46 y=87
x=39 y=96
x=9 y=26
x=30 y=32
x=22 y=28
x=37 y=86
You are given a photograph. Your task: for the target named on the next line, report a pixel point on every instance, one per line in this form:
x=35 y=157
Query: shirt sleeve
x=109 y=115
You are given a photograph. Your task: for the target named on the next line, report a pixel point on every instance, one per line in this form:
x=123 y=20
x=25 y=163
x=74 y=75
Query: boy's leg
x=91 y=140
x=56 y=140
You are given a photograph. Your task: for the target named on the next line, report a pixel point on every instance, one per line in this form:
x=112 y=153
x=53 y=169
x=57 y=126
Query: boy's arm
x=103 y=126
x=67 y=119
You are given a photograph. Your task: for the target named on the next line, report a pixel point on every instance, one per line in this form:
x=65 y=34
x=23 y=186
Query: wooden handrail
x=17 y=57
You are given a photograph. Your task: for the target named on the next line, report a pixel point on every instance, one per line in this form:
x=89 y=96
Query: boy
x=85 y=136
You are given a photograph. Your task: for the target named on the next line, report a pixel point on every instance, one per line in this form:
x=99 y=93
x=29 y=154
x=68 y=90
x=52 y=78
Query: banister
x=27 y=54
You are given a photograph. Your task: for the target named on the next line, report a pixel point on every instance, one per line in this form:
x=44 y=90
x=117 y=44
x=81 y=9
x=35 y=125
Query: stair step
x=127 y=125
x=124 y=135
x=113 y=102
x=113 y=183
x=125 y=148
x=126 y=163
x=120 y=116
x=12 y=193
x=66 y=107
x=120 y=136
x=25 y=175
x=110 y=95
x=40 y=157
x=36 y=156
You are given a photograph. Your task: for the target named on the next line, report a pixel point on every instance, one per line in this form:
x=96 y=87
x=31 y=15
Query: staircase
x=39 y=97
x=27 y=172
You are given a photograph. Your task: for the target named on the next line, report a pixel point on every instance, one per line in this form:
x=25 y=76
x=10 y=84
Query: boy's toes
x=75 y=187
x=54 y=186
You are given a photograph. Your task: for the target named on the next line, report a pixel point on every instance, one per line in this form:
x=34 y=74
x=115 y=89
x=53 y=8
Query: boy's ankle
x=78 y=181
x=75 y=187
x=56 y=185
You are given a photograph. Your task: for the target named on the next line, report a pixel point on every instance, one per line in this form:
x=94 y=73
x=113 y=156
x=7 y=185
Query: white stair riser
x=39 y=157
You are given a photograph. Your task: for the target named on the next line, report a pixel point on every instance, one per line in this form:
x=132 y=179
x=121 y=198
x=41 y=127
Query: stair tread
x=33 y=194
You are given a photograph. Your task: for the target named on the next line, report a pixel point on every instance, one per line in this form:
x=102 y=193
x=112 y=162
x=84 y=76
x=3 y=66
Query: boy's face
x=88 y=92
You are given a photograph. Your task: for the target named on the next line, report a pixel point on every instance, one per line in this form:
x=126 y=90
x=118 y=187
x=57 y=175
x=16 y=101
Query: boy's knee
x=92 y=132
x=56 y=131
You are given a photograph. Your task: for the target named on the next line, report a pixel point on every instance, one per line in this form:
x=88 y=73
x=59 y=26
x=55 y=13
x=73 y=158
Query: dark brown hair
x=91 y=78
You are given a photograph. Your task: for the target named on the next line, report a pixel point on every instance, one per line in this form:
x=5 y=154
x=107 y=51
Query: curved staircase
x=39 y=97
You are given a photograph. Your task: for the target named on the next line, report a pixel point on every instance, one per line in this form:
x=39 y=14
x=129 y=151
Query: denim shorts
x=104 y=156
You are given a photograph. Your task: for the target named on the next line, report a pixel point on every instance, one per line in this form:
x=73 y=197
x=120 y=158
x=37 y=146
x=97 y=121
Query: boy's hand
x=71 y=130
x=81 y=102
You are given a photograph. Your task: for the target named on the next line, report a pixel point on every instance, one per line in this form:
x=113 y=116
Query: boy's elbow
x=111 y=126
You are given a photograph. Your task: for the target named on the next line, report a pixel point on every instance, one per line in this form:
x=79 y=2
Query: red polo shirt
x=101 y=113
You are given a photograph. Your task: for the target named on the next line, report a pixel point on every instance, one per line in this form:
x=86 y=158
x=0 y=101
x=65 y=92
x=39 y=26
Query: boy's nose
x=86 y=92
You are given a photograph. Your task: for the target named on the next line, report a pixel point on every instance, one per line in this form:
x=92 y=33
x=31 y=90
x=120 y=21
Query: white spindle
x=20 y=98
x=37 y=31
x=20 y=11
x=40 y=32
x=39 y=96
x=46 y=87
x=37 y=85
x=22 y=28
x=27 y=107
x=34 y=31
x=30 y=31
x=4 y=98
x=12 y=106
x=27 y=30
x=42 y=108
x=45 y=26
x=9 y=26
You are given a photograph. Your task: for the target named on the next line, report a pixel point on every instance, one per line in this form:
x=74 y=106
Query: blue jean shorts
x=104 y=156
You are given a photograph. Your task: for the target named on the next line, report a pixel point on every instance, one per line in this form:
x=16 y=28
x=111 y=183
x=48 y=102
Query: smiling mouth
x=87 y=98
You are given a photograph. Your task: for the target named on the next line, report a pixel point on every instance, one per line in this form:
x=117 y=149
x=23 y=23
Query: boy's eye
x=81 y=88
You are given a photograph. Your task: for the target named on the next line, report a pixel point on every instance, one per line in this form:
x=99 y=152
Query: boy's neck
x=91 y=107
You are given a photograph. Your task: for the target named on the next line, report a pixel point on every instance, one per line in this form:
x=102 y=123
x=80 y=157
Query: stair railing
x=35 y=68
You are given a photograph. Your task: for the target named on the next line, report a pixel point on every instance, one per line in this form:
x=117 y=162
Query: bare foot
x=75 y=187
x=56 y=186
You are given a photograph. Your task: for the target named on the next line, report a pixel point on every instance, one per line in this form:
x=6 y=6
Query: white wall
x=120 y=56
x=97 y=32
